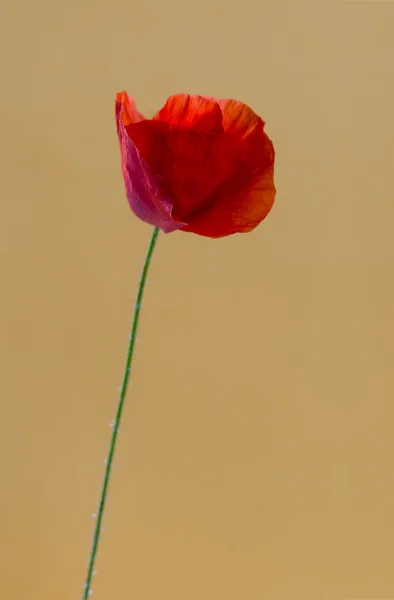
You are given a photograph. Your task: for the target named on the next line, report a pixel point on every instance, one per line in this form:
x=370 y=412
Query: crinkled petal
x=192 y=164
x=194 y=112
x=145 y=194
x=200 y=171
x=245 y=198
x=239 y=213
x=199 y=165
x=239 y=119
x=129 y=111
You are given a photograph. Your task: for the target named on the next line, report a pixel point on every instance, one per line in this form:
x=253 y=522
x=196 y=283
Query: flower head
x=200 y=165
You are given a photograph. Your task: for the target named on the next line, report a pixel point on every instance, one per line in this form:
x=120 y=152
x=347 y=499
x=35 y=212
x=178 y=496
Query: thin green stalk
x=116 y=422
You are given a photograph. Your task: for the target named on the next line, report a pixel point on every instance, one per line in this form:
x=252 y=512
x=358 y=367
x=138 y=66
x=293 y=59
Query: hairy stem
x=116 y=422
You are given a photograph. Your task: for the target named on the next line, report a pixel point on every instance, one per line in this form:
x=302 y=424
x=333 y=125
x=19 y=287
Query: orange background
x=256 y=456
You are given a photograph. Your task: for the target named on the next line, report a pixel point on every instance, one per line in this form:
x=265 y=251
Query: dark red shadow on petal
x=183 y=172
x=242 y=214
x=147 y=197
x=245 y=198
x=191 y=163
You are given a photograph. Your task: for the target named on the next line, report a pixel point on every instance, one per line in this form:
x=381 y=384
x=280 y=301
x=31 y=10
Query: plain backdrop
x=256 y=455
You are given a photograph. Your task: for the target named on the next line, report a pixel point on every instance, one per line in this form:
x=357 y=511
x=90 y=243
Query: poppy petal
x=150 y=137
x=193 y=112
x=239 y=214
x=202 y=163
x=200 y=170
x=146 y=196
x=239 y=119
x=245 y=198
x=191 y=164
x=130 y=113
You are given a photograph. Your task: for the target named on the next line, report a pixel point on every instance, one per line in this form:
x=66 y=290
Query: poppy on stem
x=200 y=165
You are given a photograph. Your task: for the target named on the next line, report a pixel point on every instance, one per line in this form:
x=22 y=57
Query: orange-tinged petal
x=192 y=112
x=130 y=113
x=239 y=119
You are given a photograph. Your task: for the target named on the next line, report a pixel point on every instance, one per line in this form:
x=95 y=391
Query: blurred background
x=256 y=453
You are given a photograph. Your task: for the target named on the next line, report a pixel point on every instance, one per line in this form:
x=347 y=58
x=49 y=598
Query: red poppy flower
x=200 y=165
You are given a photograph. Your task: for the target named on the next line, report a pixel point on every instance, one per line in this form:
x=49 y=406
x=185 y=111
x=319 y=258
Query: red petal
x=192 y=164
x=198 y=179
x=192 y=112
x=239 y=214
x=239 y=119
x=244 y=200
x=146 y=196
x=130 y=113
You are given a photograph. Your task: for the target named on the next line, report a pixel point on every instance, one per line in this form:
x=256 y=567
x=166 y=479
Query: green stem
x=116 y=423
